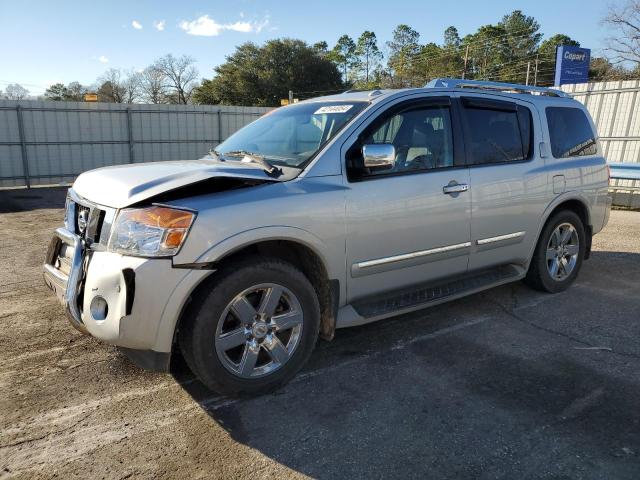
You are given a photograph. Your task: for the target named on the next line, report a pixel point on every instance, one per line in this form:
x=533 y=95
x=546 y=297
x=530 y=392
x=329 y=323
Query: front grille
x=82 y=213
x=87 y=220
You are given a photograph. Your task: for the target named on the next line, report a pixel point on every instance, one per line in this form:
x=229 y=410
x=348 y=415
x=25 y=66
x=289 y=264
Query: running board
x=422 y=296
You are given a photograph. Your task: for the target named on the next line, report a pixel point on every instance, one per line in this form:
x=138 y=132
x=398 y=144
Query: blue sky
x=42 y=42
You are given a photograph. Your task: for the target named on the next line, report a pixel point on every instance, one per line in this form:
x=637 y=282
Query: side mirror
x=379 y=155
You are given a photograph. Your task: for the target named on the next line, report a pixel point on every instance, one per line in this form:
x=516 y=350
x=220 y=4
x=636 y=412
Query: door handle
x=455 y=188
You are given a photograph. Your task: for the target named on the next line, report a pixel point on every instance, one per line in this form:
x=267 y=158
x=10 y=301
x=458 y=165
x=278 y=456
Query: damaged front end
x=120 y=295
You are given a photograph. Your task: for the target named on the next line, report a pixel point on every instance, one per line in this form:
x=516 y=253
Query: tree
x=152 y=85
x=76 y=92
x=625 y=21
x=602 y=70
x=435 y=61
x=180 y=76
x=451 y=38
x=344 y=55
x=15 y=91
x=521 y=43
x=403 y=49
x=131 y=87
x=321 y=47
x=56 y=92
x=487 y=47
x=262 y=75
x=111 y=88
x=116 y=87
x=368 y=54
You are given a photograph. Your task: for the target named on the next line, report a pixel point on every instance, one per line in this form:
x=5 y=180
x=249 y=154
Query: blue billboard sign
x=572 y=65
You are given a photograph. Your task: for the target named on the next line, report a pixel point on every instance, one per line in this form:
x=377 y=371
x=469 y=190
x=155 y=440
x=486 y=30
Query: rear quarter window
x=570 y=132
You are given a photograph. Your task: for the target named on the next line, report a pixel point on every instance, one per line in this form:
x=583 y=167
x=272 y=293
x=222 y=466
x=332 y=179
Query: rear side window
x=570 y=132
x=496 y=131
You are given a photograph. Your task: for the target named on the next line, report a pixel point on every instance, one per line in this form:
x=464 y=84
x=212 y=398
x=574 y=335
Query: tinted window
x=497 y=135
x=421 y=136
x=570 y=133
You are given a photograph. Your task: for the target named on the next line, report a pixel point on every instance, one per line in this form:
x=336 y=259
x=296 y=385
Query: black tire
x=538 y=276
x=199 y=327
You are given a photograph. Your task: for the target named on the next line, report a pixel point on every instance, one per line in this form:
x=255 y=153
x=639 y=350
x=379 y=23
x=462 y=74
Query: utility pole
x=528 y=69
x=535 y=73
x=466 y=60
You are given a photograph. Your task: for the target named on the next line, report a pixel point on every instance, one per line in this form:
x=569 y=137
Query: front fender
x=263 y=234
x=177 y=299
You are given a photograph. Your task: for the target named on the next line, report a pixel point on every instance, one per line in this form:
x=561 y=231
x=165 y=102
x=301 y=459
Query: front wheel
x=559 y=253
x=254 y=329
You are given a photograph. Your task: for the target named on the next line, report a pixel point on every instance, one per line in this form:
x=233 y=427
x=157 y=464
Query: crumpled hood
x=123 y=185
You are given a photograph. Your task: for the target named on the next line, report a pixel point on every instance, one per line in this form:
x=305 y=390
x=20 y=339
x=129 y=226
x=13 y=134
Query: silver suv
x=329 y=213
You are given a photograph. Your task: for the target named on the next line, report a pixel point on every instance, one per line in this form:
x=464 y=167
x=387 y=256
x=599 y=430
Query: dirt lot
x=510 y=383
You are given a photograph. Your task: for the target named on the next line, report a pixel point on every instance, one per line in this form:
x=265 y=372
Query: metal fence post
x=132 y=155
x=25 y=159
x=219 y=126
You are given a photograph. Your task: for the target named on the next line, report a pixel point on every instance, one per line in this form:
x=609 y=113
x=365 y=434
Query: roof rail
x=497 y=86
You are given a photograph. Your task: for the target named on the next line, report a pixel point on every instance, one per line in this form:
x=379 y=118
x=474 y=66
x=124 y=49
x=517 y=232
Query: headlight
x=150 y=232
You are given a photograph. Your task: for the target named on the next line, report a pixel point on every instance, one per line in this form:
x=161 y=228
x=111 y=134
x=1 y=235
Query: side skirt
x=407 y=300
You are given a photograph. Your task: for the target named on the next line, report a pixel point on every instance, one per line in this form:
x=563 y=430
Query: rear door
x=508 y=183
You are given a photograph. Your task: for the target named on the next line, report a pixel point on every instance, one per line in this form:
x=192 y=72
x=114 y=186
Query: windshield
x=290 y=136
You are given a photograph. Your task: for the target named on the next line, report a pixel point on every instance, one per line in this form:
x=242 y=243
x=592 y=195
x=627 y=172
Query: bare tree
x=180 y=76
x=152 y=84
x=131 y=87
x=15 y=91
x=76 y=92
x=625 y=21
x=118 y=87
x=111 y=88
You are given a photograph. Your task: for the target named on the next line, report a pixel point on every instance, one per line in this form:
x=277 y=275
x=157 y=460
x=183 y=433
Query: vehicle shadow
x=462 y=390
x=24 y=200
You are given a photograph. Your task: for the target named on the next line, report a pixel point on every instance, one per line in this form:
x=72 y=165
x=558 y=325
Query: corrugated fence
x=45 y=143
x=615 y=108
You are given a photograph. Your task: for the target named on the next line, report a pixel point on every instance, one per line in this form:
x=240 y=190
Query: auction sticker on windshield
x=333 y=109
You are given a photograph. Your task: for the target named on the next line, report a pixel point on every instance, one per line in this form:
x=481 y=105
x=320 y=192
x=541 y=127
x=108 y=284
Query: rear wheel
x=254 y=329
x=559 y=253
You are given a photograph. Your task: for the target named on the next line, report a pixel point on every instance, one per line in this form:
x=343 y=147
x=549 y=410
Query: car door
x=509 y=185
x=409 y=224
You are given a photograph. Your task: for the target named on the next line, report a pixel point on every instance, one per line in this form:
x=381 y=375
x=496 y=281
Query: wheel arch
x=296 y=252
x=575 y=204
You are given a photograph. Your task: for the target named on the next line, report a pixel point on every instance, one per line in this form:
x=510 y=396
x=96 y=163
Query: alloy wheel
x=259 y=330
x=562 y=251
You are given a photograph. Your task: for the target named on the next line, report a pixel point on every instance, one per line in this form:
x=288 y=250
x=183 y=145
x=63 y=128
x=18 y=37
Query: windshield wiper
x=254 y=158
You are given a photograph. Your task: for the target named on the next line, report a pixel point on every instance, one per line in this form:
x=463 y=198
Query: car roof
x=524 y=93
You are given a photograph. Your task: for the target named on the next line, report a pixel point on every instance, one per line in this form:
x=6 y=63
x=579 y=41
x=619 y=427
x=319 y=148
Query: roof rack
x=496 y=86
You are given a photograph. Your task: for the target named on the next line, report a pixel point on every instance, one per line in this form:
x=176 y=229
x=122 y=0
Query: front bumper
x=141 y=298
x=66 y=285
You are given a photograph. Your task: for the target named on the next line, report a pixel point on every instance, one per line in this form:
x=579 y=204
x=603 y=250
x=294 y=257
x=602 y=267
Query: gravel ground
x=509 y=383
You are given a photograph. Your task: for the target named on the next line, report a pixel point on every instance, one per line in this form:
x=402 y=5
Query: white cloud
x=208 y=27
x=103 y=59
x=159 y=25
x=136 y=24
x=244 y=27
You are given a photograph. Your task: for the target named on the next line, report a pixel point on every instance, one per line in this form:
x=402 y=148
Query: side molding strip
x=500 y=238
x=409 y=256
